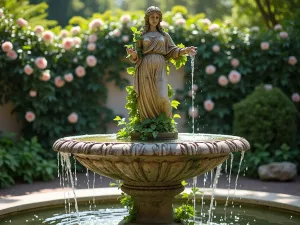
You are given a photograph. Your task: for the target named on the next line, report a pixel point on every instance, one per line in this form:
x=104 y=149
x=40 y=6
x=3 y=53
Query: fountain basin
x=152 y=171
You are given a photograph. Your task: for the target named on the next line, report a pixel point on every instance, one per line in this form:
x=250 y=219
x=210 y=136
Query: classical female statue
x=150 y=81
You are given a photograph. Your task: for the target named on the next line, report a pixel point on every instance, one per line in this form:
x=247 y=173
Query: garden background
x=57 y=76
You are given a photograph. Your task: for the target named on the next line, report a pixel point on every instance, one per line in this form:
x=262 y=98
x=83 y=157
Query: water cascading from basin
x=152 y=171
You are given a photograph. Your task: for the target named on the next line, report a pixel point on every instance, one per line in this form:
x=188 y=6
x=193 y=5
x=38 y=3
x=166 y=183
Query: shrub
x=23 y=160
x=266 y=117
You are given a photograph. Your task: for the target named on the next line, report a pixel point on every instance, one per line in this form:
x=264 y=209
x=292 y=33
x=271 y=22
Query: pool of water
x=182 y=137
x=112 y=214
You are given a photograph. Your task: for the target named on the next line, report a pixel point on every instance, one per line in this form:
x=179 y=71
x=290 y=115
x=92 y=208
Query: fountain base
x=153 y=204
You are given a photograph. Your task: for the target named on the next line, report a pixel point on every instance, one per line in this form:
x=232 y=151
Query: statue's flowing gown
x=150 y=81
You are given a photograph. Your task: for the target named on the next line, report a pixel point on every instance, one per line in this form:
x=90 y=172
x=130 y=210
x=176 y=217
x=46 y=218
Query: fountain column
x=153 y=204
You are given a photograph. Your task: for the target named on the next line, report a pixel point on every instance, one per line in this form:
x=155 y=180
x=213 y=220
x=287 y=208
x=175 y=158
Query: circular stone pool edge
x=17 y=204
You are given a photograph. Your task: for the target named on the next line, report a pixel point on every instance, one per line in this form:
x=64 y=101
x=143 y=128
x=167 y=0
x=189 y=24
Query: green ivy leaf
x=176 y=116
x=175 y=103
x=117 y=118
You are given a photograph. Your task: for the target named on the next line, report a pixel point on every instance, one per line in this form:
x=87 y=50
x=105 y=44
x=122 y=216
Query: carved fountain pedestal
x=152 y=171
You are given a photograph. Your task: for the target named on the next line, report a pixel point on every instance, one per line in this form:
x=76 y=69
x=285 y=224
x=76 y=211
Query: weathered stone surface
x=282 y=171
x=152 y=171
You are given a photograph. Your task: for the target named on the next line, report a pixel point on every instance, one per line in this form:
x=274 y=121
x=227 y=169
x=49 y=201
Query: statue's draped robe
x=150 y=81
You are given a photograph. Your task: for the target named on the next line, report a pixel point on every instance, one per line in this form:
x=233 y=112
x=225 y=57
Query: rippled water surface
x=111 y=215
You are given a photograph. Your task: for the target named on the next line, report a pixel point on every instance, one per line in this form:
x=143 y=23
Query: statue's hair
x=149 y=11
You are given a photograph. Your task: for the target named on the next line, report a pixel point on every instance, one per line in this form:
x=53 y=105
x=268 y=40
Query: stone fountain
x=152 y=171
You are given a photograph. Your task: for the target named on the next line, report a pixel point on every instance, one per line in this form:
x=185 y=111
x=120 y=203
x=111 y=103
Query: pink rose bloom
x=32 y=93
x=91 y=61
x=268 y=87
x=28 y=70
x=292 y=60
x=45 y=76
x=210 y=69
x=295 y=97
x=235 y=62
x=195 y=87
x=283 y=34
x=205 y=21
x=180 y=22
x=12 y=54
x=125 y=18
x=67 y=43
x=59 y=82
x=164 y=24
x=277 y=27
x=48 y=36
x=93 y=38
x=73 y=117
x=75 y=30
x=30 y=116
x=125 y=38
x=223 y=81
x=91 y=46
x=68 y=77
x=216 y=48
x=64 y=33
x=234 y=77
x=95 y=24
x=214 y=27
x=77 y=41
x=264 y=45
x=7 y=46
x=41 y=62
x=80 y=71
x=1 y=12
x=208 y=105
x=193 y=113
x=38 y=29
x=116 y=33
x=21 y=22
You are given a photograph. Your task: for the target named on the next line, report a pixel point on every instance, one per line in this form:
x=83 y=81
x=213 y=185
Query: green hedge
x=266 y=116
x=79 y=106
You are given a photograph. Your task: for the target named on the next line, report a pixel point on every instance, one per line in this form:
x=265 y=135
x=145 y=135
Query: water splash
x=202 y=198
x=193 y=93
x=217 y=175
x=237 y=176
x=229 y=183
x=66 y=161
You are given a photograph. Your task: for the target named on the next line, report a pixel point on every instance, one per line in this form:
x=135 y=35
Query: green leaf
x=155 y=133
x=176 y=116
x=184 y=183
x=117 y=118
x=133 y=29
x=131 y=70
x=175 y=103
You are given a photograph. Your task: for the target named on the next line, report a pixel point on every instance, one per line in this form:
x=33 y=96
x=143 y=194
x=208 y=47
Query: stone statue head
x=149 y=11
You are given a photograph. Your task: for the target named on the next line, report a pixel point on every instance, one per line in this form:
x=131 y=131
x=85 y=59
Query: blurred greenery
x=271 y=12
x=35 y=14
x=240 y=12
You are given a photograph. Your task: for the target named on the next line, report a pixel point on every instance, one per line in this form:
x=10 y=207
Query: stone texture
x=152 y=171
x=282 y=171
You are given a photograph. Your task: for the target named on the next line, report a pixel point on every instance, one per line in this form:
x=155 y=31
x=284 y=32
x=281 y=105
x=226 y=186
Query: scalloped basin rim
x=185 y=145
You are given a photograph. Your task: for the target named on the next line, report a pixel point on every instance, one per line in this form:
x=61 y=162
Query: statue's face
x=153 y=19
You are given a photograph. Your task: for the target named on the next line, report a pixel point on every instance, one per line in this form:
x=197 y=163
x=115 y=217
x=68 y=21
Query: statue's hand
x=192 y=50
x=132 y=52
